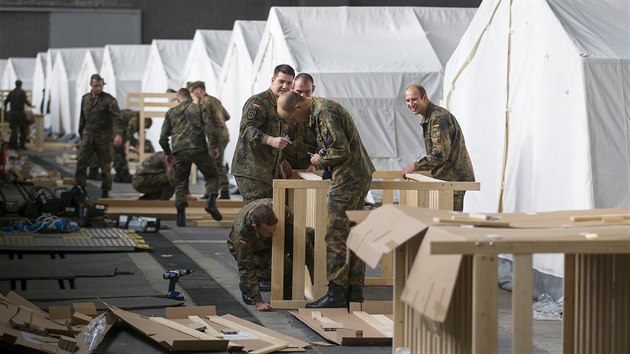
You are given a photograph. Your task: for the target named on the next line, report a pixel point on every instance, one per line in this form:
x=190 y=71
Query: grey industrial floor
x=214 y=282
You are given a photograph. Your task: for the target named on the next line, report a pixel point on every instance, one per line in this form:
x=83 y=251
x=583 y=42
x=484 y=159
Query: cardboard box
x=355 y=331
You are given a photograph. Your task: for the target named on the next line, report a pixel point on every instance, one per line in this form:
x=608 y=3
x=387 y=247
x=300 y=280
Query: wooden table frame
x=308 y=197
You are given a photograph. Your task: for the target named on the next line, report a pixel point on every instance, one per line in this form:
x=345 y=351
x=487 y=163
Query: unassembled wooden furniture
x=308 y=199
x=451 y=304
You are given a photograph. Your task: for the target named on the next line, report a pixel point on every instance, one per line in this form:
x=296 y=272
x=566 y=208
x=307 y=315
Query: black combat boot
x=104 y=194
x=225 y=194
x=181 y=215
x=335 y=297
x=211 y=207
x=123 y=177
x=354 y=293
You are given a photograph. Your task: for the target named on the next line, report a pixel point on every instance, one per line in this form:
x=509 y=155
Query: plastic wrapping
x=547 y=308
x=94 y=333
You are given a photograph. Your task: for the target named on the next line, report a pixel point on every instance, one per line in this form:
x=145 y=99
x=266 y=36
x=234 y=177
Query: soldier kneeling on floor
x=155 y=177
x=250 y=243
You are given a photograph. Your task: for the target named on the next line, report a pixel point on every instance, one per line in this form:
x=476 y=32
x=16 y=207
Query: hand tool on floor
x=173 y=276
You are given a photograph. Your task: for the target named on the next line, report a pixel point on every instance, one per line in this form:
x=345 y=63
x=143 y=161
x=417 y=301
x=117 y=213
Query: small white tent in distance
x=164 y=70
x=39 y=83
x=66 y=67
x=363 y=58
x=122 y=69
x=18 y=68
x=205 y=58
x=236 y=74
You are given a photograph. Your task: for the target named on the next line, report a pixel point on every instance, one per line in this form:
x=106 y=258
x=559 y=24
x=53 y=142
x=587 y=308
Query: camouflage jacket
x=346 y=156
x=447 y=157
x=252 y=158
x=303 y=141
x=100 y=118
x=17 y=99
x=133 y=122
x=156 y=164
x=186 y=125
x=217 y=116
x=244 y=242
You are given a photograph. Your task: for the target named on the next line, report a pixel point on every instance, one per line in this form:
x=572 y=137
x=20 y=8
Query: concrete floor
x=205 y=247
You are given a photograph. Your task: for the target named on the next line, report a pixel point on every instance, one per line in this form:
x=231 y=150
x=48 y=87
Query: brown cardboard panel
x=80 y=319
x=371 y=336
x=86 y=308
x=293 y=342
x=16 y=299
x=184 y=312
x=167 y=337
x=60 y=312
x=434 y=278
x=373 y=307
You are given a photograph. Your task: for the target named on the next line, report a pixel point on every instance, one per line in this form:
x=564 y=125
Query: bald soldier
x=351 y=170
x=302 y=137
x=447 y=157
x=261 y=139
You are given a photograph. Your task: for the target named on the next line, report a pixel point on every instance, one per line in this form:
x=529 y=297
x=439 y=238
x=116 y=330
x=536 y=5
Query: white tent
x=3 y=65
x=236 y=74
x=62 y=89
x=206 y=57
x=542 y=92
x=91 y=64
x=165 y=65
x=39 y=82
x=122 y=69
x=18 y=68
x=363 y=58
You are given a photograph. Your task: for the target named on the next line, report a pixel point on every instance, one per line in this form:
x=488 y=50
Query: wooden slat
x=485 y=325
x=277 y=252
x=299 y=244
x=208 y=330
x=288 y=304
x=378 y=325
x=522 y=275
x=181 y=328
x=569 y=305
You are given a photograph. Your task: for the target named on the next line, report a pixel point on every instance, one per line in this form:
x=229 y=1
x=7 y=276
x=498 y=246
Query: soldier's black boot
x=104 y=194
x=354 y=293
x=181 y=215
x=225 y=194
x=211 y=207
x=335 y=297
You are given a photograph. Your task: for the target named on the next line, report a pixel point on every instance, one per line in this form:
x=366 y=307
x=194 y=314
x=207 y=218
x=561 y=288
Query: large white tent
x=206 y=57
x=164 y=70
x=122 y=69
x=62 y=89
x=91 y=64
x=165 y=65
x=18 y=68
x=541 y=89
x=3 y=65
x=236 y=74
x=39 y=82
x=363 y=58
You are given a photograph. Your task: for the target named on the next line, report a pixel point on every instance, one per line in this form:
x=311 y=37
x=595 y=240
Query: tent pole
x=507 y=109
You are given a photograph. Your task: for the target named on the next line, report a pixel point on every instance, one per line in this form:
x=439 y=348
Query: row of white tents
x=541 y=88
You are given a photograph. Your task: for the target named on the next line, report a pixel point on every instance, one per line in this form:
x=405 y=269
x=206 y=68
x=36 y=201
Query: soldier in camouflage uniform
x=351 y=170
x=99 y=124
x=258 y=152
x=155 y=177
x=18 y=122
x=447 y=157
x=186 y=123
x=120 y=155
x=218 y=117
x=250 y=243
x=133 y=133
x=303 y=139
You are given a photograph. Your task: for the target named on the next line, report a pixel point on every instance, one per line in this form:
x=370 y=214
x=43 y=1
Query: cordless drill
x=173 y=276
x=327 y=174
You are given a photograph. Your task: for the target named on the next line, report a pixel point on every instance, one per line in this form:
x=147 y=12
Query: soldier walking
x=18 y=121
x=186 y=124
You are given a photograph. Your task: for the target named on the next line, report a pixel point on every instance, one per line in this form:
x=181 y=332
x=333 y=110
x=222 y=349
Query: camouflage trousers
x=154 y=186
x=183 y=162
x=19 y=126
x=343 y=266
x=120 y=158
x=85 y=158
x=458 y=200
x=222 y=170
x=253 y=189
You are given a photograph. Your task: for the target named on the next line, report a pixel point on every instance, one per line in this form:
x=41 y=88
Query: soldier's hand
x=311 y=169
x=278 y=142
x=315 y=159
x=215 y=153
x=286 y=171
x=411 y=168
x=117 y=140
x=263 y=306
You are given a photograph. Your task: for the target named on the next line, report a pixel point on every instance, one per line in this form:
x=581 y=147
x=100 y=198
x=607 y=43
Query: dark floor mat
x=199 y=285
